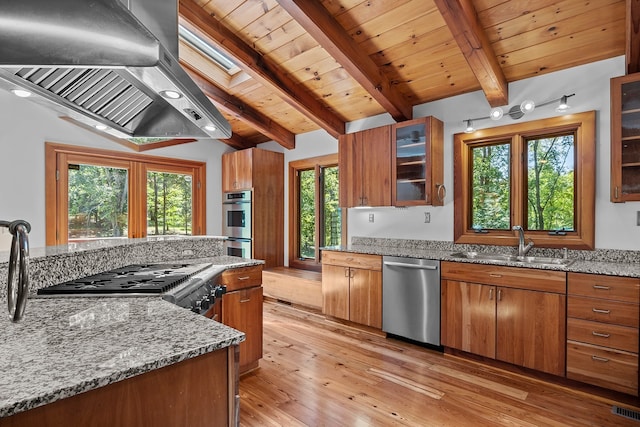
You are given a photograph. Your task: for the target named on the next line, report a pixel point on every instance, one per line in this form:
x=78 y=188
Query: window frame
x=294 y=210
x=59 y=156
x=583 y=126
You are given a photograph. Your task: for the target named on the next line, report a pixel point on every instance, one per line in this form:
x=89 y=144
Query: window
x=94 y=194
x=315 y=216
x=539 y=175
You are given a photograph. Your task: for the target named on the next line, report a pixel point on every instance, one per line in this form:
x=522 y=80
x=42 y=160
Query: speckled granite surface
x=57 y=264
x=66 y=346
x=601 y=261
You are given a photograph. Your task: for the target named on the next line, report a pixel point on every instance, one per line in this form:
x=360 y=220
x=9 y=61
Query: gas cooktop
x=132 y=279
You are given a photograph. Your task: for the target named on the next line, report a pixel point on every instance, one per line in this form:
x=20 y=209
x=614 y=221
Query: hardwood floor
x=317 y=372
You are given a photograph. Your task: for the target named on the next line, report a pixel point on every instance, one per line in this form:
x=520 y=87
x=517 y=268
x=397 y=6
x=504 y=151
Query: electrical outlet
x=370 y=217
x=427 y=217
x=187 y=252
x=638 y=218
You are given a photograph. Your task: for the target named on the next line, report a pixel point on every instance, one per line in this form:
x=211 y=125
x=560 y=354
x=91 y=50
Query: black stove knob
x=204 y=302
x=220 y=290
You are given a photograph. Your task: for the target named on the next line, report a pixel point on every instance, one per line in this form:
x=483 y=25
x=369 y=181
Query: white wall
x=615 y=222
x=25 y=126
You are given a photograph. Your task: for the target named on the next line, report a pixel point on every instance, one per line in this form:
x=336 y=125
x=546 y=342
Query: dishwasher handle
x=414 y=266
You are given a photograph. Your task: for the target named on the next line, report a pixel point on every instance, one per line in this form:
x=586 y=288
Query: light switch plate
x=638 y=218
x=427 y=217
x=371 y=217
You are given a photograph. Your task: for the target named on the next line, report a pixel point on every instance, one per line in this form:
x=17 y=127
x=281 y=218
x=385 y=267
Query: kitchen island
x=120 y=360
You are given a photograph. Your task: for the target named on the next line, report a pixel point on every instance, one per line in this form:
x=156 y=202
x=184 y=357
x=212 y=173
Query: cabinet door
x=237 y=171
x=365 y=297
x=376 y=166
x=364 y=159
x=531 y=329
x=242 y=310
x=625 y=138
x=335 y=291
x=469 y=317
x=417 y=164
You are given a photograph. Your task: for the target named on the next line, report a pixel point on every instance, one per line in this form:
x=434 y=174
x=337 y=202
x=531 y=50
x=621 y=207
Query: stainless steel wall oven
x=237 y=223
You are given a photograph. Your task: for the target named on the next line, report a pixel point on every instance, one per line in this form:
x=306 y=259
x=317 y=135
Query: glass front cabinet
x=417 y=164
x=625 y=138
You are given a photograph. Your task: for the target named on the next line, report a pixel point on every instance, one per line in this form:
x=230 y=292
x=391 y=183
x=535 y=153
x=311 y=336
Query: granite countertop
x=66 y=346
x=617 y=267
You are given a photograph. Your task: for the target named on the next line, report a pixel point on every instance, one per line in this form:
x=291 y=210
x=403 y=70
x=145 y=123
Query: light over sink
x=488 y=256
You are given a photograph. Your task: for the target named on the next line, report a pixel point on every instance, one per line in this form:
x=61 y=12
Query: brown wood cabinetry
x=417 y=163
x=237 y=170
x=242 y=310
x=195 y=392
x=261 y=171
x=365 y=168
x=516 y=315
x=352 y=287
x=602 y=331
x=625 y=138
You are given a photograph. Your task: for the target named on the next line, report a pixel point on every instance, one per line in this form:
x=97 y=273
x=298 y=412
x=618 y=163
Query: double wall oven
x=237 y=224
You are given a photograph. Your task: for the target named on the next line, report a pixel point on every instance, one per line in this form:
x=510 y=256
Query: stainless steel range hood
x=108 y=64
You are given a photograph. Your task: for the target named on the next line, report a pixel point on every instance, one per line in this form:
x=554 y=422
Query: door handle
x=414 y=266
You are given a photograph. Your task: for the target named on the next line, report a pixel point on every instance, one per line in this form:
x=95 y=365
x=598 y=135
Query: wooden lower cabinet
x=242 y=310
x=469 y=317
x=602 y=331
x=195 y=392
x=524 y=327
x=531 y=329
x=349 y=290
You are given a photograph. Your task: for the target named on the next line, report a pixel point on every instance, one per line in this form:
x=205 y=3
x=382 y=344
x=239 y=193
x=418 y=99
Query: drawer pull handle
x=597 y=310
x=245 y=300
x=600 y=334
x=604 y=288
x=244 y=278
x=599 y=359
x=495 y=275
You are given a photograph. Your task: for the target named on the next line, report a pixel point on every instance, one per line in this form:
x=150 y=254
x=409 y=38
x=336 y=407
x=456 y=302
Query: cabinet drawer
x=240 y=278
x=514 y=277
x=348 y=259
x=612 y=369
x=603 y=334
x=601 y=310
x=608 y=287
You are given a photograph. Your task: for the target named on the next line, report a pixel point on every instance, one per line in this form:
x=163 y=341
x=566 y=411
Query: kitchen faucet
x=522 y=249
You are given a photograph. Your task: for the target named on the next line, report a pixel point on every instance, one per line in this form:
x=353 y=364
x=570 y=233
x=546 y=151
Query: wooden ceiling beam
x=238 y=109
x=633 y=36
x=462 y=20
x=263 y=70
x=328 y=32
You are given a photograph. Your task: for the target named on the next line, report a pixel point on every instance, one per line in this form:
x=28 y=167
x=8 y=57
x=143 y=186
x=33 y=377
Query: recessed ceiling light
x=102 y=127
x=210 y=128
x=21 y=93
x=171 y=94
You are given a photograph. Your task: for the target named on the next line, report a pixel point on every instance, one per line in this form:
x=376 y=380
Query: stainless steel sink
x=488 y=256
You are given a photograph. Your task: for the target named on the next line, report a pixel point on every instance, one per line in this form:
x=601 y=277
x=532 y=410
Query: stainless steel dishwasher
x=411 y=298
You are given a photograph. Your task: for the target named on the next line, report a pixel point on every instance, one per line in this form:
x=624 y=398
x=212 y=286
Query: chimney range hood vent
x=106 y=65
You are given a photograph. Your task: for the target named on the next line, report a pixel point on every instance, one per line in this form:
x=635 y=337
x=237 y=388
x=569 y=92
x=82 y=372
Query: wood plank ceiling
x=307 y=65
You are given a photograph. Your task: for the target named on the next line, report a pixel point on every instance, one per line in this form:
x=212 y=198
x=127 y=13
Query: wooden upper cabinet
x=364 y=159
x=625 y=138
x=417 y=163
x=237 y=171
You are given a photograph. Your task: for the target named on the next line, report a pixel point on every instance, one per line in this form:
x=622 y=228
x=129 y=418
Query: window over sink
x=539 y=175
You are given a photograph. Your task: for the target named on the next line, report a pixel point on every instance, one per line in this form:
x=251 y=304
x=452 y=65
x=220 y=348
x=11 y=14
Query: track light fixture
x=518 y=111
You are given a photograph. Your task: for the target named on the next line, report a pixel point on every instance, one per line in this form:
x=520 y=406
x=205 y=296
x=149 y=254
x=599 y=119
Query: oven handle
x=414 y=266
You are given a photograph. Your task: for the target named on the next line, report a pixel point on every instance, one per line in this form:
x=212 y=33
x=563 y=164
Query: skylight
x=208 y=50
